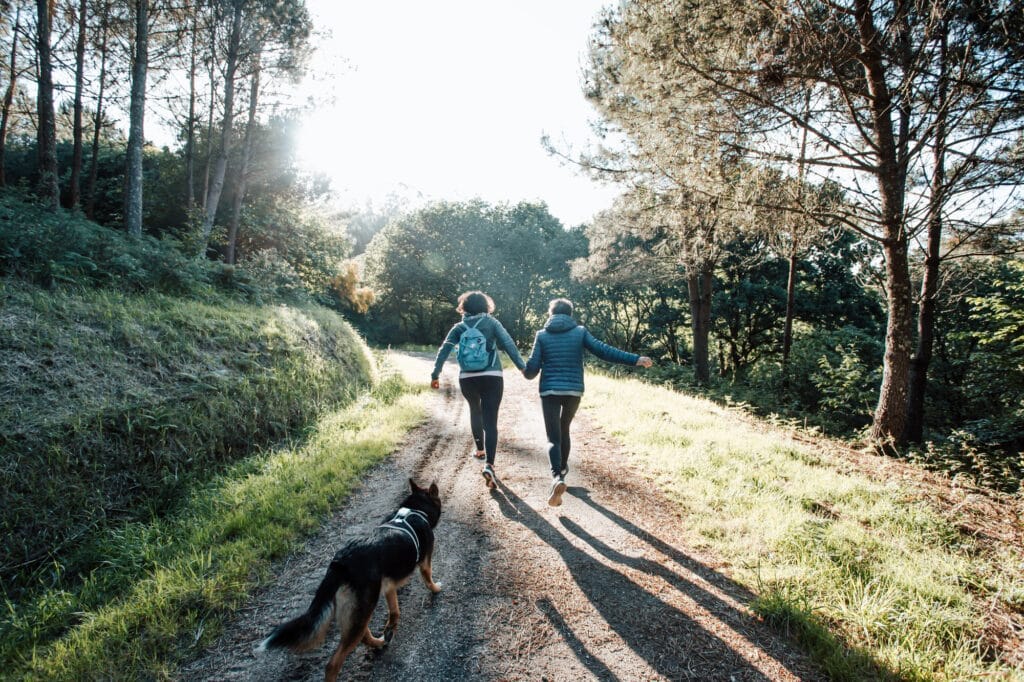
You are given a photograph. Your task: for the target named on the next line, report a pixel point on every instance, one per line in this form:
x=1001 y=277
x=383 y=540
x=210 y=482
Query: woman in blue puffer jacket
x=558 y=357
x=482 y=387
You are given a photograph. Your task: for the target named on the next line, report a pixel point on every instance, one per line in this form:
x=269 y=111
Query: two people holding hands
x=557 y=356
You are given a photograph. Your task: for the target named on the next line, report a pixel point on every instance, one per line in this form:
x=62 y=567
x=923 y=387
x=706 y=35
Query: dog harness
x=400 y=522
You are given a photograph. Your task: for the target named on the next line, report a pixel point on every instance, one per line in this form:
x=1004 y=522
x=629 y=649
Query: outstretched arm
x=609 y=353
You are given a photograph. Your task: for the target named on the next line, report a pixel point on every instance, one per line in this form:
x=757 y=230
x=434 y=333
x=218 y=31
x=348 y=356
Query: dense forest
x=820 y=212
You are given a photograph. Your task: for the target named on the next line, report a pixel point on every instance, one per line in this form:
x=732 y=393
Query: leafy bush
x=835 y=371
x=312 y=245
x=274 y=277
x=969 y=452
x=50 y=248
x=848 y=386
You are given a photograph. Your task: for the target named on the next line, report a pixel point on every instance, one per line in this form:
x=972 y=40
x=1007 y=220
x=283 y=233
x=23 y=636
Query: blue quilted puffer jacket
x=558 y=356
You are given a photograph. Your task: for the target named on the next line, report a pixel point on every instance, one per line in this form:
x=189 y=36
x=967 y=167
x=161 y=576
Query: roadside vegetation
x=170 y=425
x=855 y=563
x=166 y=585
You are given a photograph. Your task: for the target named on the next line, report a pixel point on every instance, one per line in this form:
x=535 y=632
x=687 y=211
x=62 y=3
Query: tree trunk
x=190 y=137
x=46 y=133
x=90 y=186
x=209 y=127
x=74 y=189
x=137 y=109
x=12 y=80
x=891 y=412
x=914 y=431
x=787 y=330
x=794 y=246
x=243 y=172
x=698 y=286
x=221 y=162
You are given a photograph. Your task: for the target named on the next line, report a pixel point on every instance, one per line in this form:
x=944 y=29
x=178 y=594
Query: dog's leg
x=353 y=618
x=427 y=575
x=368 y=638
x=345 y=646
x=391 y=595
x=371 y=641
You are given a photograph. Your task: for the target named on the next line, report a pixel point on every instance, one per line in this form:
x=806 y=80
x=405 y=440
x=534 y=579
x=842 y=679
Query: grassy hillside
x=115 y=408
x=881 y=571
x=140 y=394
x=167 y=585
x=113 y=404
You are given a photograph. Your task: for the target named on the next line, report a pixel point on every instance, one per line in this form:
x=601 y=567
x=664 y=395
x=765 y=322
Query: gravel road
x=601 y=588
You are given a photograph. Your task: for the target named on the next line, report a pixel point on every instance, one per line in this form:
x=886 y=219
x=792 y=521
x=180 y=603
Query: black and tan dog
x=360 y=570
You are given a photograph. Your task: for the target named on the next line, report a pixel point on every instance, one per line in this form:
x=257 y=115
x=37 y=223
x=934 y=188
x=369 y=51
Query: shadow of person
x=721 y=582
x=671 y=642
x=731 y=616
x=591 y=662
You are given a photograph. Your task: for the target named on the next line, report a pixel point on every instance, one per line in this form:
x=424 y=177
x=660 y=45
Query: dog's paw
x=434 y=587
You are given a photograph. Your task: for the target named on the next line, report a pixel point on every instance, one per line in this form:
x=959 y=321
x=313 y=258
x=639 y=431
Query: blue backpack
x=473 y=355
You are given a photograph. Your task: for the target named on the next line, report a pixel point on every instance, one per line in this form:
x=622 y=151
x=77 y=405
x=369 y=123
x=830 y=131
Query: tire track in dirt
x=596 y=589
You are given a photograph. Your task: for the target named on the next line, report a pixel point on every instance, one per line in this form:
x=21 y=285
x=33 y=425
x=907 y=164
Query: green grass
x=870 y=579
x=188 y=572
x=114 y=406
x=112 y=403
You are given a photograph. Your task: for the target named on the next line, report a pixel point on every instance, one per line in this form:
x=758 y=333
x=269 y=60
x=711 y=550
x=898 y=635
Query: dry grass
x=846 y=557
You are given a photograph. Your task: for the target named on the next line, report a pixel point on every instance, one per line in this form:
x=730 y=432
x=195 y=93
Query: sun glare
x=408 y=111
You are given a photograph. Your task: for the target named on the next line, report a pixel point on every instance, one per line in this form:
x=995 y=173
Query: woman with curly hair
x=480 y=376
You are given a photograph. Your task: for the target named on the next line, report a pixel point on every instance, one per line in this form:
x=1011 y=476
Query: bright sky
x=449 y=99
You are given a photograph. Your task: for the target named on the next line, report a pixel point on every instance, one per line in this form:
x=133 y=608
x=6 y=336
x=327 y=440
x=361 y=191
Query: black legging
x=484 y=397
x=558 y=413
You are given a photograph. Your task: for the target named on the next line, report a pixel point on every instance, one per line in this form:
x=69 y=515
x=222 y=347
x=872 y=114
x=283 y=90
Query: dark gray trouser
x=558 y=413
x=484 y=397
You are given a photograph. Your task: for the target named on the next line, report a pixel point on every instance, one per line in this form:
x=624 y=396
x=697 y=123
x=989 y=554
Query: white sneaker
x=557 y=488
x=489 y=476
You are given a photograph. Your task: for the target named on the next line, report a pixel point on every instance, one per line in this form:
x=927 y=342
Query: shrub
x=274 y=277
x=986 y=451
x=848 y=386
x=50 y=248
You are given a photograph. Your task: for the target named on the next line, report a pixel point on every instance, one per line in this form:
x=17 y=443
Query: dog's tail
x=308 y=630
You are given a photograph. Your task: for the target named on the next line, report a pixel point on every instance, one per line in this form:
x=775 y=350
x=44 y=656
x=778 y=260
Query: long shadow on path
x=598 y=669
x=670 y=641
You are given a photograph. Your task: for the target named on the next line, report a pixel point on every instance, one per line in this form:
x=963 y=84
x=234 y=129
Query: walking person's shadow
x=671 y=642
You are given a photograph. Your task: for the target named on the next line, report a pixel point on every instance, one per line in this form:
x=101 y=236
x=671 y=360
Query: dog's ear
x=413 y=486
x=434 y=492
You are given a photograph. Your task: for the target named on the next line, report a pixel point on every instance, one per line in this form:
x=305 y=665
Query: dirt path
x=599 y=588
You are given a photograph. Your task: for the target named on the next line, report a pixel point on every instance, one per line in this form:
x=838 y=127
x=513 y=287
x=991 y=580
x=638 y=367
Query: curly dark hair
x=474 y=303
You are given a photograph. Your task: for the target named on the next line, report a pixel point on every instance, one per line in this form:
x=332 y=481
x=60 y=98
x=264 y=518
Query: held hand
x=644 y=362
x=434 y=383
